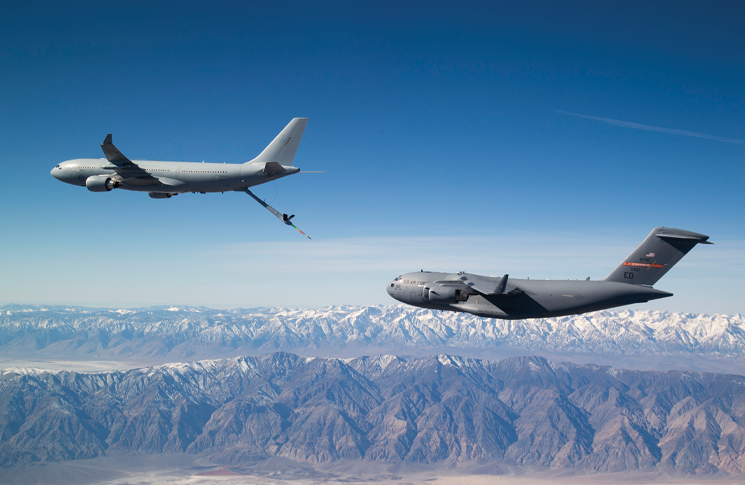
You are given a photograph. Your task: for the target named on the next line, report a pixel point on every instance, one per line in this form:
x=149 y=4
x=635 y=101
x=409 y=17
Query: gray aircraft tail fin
x=655 y=256
x=284 y=146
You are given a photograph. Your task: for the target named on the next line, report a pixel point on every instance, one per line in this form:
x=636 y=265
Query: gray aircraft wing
x=127 y=171
x=486 y=285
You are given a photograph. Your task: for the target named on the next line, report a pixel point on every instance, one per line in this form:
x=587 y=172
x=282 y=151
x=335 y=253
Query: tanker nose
x=54 y=172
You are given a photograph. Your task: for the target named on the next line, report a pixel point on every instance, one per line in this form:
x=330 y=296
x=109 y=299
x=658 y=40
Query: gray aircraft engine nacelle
x=446 y=294
x=100 y=183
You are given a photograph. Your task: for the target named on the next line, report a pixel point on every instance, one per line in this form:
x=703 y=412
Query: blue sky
x=444 y=131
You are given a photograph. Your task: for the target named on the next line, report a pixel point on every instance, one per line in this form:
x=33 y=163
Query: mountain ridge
x=524 y=412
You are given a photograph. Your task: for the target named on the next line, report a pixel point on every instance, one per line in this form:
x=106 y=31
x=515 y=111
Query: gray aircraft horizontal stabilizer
x=273 y=168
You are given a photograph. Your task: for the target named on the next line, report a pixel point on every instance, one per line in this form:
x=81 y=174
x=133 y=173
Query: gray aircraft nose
x=389 y=289
x=55 y=172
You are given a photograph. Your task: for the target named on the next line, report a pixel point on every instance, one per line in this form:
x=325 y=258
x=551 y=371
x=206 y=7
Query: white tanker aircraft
x=163 y=180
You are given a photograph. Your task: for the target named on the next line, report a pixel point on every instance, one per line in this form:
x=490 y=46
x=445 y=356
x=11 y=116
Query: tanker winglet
x=111 y=152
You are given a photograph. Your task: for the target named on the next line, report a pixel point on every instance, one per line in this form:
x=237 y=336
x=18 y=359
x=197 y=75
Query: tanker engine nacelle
x=100 y=183
x=446 y=294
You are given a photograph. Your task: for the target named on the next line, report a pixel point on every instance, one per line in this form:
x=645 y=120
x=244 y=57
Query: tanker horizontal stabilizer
x=273 y=168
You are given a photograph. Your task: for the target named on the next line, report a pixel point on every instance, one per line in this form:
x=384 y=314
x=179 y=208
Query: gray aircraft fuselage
x=540 y=298
x=165 y=179
x=514 y=299
x=173 y=177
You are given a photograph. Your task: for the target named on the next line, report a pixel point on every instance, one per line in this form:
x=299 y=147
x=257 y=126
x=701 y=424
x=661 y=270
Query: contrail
x=638 y=126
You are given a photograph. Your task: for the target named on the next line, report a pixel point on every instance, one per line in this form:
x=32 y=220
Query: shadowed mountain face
x=525 y=412
x=158 y=335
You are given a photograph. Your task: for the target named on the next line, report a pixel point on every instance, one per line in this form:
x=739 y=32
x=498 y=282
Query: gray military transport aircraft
x=163 y=180
x=515 y=299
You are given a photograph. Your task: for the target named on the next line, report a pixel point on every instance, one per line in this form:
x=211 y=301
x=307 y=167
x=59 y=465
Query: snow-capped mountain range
x=179 y=333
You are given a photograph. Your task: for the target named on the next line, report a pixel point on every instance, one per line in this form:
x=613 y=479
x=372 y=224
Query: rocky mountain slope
x=519 y=412
x=177 y=334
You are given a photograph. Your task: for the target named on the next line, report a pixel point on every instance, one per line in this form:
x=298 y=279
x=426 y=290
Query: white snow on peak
x=27 y=371
x=398 y=327
x=386 y=360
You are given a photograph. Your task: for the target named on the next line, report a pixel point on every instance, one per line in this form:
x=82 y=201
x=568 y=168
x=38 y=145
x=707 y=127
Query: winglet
x=111 y=152
x=484 y=284
x=502 y=285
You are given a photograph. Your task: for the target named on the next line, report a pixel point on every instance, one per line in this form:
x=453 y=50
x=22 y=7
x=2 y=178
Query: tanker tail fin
x=282 y=149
